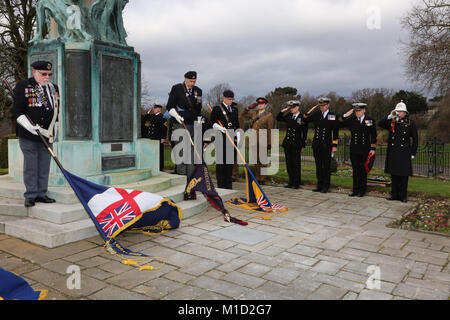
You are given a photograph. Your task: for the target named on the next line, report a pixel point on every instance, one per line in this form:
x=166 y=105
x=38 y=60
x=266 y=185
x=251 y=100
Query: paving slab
x=323 y=248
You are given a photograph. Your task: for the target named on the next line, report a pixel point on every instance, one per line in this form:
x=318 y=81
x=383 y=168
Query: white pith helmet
x=401 y=107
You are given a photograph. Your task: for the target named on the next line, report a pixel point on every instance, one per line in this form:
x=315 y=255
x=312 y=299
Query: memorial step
x=66 y=221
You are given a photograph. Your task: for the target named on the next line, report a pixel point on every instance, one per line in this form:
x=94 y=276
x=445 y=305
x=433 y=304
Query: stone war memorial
x=99 y=139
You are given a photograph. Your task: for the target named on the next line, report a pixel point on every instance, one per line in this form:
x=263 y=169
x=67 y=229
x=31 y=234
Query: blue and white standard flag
x=13 y=287
x=114 y=210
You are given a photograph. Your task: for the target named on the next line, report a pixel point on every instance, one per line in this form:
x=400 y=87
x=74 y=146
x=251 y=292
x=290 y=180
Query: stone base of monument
x=66 y=221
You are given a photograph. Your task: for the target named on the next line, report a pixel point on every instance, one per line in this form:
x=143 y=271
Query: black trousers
x=293 y=164
x=322 y=157
x=359 y=172
x=224 y=166
x=224 y=175
x=399 y=187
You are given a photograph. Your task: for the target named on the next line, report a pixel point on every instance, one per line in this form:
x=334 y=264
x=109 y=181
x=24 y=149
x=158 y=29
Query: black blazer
x=156 y=130
x=189 y=105
x=326 y=130
x=363 y=135
x=296 y=131
x=233 y=116
x=29 y=101
x=402 y=144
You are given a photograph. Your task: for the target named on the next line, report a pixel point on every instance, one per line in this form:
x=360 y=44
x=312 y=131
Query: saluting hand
x=312 y=109
x=349 y=112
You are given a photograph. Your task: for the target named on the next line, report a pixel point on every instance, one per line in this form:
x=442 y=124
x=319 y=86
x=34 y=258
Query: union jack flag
x=256 y=199
x=114 y=210
x=110 y=221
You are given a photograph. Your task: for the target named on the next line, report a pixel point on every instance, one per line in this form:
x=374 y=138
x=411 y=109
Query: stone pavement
x=328 y=246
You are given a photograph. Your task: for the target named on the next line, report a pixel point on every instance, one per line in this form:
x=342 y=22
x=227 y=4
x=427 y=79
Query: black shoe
x=288 y=186
x=29 y=202
x=295 y=187
x=317 y=189
x=404 y=200
x=45 y=199
x=353 y=194
x=361 y=194
x=391 y=198
x=324 y=190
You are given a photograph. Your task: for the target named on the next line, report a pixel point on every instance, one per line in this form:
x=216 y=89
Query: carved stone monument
x=99 y=79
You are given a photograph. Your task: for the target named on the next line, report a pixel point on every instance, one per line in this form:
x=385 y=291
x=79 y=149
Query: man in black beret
x=228 y=116
x=36 y=105
x=185 y=105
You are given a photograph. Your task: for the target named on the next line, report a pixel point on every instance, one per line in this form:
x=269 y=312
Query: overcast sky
x=257 y=45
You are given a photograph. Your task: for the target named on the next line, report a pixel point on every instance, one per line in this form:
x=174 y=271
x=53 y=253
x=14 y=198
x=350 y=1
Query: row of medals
x=36 y=97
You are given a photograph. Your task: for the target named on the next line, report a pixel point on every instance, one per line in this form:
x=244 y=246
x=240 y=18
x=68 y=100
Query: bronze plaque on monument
x=116 y=99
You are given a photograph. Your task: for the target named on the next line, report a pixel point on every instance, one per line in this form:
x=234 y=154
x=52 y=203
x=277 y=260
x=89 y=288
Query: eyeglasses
x=46 y=74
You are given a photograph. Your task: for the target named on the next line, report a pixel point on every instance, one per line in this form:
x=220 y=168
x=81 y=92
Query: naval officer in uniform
x=36 y=99
x=363 y=142
x=294 y=142
x=185 y=105
x=325 y=141
x=401 y=150
x=156 y=130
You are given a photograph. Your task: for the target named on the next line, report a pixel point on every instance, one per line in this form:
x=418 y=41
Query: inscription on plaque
x=78 y=95
x=118 y=162
x=116 y=99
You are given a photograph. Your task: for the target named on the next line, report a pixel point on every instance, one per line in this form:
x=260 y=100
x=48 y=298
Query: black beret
x=262 y=100
x=42 y=65
x=191 y=75
x=228 y=94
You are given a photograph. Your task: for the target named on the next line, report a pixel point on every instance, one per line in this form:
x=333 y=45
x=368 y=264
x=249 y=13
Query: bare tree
x=17 y=20
x=215 y=94
x=428 y=48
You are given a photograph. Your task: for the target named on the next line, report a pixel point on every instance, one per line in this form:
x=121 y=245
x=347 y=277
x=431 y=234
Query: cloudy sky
x=257 y=45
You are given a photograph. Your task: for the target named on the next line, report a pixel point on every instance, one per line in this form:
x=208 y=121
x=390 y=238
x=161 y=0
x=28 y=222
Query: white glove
x=24 y=122
x=173 y=112
x=218 y=127
x=391 y=115
x=412 y=157
x=44 y=132
x=238 y=137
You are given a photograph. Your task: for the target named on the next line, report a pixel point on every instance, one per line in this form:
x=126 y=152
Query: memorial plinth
x=99 y=122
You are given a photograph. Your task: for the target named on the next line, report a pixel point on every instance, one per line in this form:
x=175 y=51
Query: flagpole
x=192 y=142
x=229 y=138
